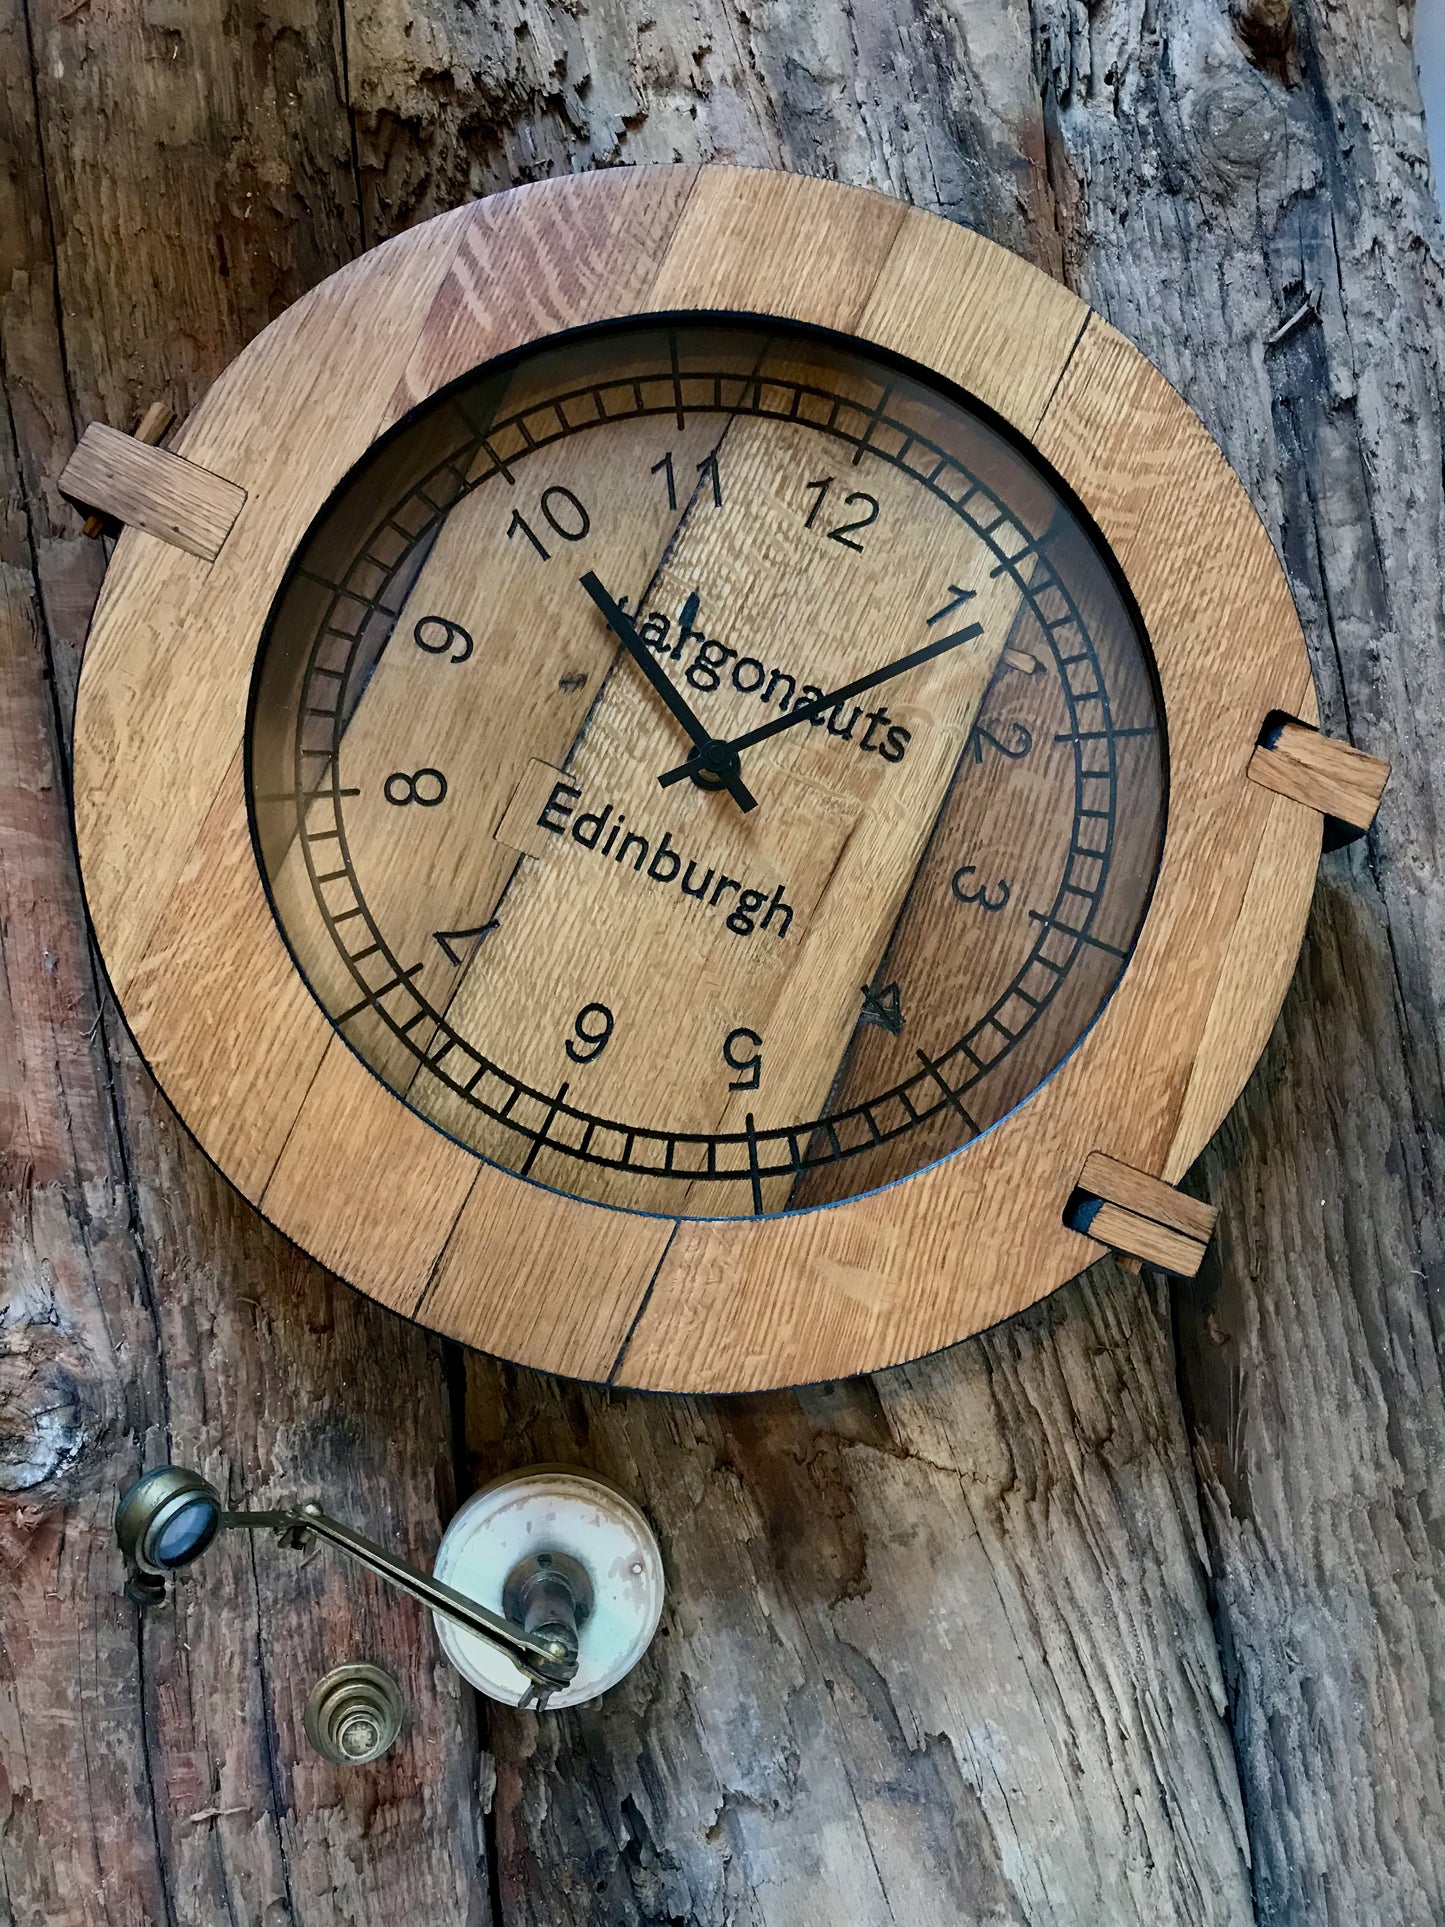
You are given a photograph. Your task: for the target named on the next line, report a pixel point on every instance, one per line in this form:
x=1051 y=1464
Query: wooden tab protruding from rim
x=1140 y=1216
x=124 y=478
x=1335 y=778
x=151 y=429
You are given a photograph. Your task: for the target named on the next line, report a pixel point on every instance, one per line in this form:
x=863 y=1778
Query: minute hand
x=805 y=712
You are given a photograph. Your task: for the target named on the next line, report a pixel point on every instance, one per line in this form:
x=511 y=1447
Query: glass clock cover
x=816 y=913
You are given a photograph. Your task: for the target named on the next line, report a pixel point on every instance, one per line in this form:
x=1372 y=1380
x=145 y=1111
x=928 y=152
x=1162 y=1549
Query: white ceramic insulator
x=554 y=1509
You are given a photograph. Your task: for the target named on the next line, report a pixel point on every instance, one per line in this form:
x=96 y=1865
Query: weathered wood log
x=157 y=1772
x=1276 y=247
x=1188 y=171
x=941 y=1645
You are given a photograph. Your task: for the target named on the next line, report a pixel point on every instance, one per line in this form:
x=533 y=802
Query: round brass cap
x=354 y=1714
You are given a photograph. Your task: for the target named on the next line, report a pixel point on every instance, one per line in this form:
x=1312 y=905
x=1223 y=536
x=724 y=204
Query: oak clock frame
x=273 y=1094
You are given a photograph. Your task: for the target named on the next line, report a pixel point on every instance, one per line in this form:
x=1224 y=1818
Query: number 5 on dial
x=743 y=1052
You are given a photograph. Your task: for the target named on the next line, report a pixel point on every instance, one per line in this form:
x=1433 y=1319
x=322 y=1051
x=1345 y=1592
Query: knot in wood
x=1240 y=125
x=44 y=1425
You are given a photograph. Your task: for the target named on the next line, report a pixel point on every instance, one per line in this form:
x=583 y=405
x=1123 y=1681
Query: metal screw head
x=550 y=1594
x=354 y=1714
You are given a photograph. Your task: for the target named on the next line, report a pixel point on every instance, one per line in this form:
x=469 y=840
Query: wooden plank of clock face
x=785 y=599
x=1010 y=873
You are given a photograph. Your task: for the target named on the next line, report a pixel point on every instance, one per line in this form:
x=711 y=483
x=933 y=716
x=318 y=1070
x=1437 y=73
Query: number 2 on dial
x=845 y=531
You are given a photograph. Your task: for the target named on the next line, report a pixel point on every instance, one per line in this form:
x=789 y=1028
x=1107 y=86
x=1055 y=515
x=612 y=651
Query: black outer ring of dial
x=751 y=1155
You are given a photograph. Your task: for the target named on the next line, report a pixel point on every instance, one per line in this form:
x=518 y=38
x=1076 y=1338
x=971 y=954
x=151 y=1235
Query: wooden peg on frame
x=123 y=478
x=1140 y=1216
x=152 y=429
x=1335 y=778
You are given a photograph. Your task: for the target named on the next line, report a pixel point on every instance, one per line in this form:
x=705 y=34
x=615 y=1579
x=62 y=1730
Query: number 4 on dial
x=883 y=1007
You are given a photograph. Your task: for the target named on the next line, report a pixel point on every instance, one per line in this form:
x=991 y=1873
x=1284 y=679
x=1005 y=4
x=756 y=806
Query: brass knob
x=354 y=1714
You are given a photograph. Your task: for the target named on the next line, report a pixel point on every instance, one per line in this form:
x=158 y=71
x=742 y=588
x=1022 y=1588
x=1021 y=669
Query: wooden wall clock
x=698 y=778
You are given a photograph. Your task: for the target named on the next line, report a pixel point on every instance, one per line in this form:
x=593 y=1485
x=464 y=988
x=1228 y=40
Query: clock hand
x=708 y=759
x=805 y=712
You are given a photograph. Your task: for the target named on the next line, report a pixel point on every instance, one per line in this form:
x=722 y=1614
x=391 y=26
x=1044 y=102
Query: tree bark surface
x=1128 y=1611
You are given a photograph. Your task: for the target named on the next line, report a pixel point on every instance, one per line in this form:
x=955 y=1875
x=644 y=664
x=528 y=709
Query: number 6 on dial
x=593 y=1025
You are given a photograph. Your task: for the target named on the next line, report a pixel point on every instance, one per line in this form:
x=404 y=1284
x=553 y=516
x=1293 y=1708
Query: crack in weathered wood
x=1318 y=1436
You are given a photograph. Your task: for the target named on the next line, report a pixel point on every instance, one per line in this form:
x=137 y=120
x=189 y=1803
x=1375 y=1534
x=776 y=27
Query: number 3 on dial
x=987 y=899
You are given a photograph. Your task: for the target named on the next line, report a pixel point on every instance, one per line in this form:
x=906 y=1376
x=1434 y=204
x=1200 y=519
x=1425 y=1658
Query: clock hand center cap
x=715 y=763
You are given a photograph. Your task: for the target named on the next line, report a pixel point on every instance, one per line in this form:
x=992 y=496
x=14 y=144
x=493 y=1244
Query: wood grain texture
x=1310 y=1346
x=352 y=1148
x=1148 y=1197
x=1332 y=777
x=155 y=1771
x=1279 y=894
x=1140 y=1237
x=151 y=489
x=571 y=1286
x=152 y=429
x=1040 y=1470
x=513 y=280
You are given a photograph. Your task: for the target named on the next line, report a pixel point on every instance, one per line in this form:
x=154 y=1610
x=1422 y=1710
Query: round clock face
x=706 y=769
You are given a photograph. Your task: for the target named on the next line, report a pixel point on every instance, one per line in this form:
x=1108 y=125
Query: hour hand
x=723 y=767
